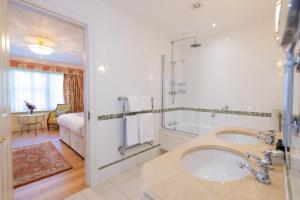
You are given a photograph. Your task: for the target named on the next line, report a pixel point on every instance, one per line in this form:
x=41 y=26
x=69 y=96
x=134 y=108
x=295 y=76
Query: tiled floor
x=125 y=186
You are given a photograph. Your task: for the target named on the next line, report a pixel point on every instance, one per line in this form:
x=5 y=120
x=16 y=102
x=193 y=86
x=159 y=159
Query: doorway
x=48 y=99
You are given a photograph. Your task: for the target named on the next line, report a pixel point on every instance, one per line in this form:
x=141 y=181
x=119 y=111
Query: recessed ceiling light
x=196 y=5
x=214 y=25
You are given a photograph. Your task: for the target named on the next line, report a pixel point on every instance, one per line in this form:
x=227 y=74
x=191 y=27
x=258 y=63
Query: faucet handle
x=271 y=132
x=251 y=155
x=264 y=164
x=241 y=165
x=269 y=153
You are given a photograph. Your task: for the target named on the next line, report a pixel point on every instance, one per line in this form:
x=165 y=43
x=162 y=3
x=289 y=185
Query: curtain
x=44 y=90
x=73 y=92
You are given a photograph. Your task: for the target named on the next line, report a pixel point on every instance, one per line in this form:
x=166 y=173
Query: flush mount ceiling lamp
x=40 y=48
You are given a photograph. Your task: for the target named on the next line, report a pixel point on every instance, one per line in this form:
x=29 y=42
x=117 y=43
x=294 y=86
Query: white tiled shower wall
x=124 y=59
x=241 y=67
x=295 y=146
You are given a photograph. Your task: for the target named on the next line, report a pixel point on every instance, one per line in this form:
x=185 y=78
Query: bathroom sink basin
x=214 y=165
x=238 y=138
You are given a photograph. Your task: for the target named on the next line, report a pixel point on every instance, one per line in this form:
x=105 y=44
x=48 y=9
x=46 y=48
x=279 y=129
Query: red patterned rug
x=34 y=162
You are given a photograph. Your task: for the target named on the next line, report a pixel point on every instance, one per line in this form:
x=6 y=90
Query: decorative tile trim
x=232 y=112
x=127 y=157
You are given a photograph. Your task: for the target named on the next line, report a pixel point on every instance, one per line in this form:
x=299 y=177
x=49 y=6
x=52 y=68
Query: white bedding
x=73 y=122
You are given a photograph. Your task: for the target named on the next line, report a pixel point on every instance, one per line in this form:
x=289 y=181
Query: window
x=44 y=90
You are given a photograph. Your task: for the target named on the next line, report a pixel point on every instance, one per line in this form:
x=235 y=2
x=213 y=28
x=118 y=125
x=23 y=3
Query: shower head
x=195 y=45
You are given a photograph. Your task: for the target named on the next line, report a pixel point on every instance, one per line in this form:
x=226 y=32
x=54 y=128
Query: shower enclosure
x=181 y=86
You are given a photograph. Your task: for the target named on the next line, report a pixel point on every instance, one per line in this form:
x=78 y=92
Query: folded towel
x=134 y=103
x=132 y=130
x=139 y=103
x=146 y=127
x=145 y=102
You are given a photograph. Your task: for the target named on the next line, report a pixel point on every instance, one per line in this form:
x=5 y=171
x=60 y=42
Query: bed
x=71 y=131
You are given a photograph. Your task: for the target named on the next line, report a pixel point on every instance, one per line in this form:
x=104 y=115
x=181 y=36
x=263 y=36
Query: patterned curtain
x=73 y=92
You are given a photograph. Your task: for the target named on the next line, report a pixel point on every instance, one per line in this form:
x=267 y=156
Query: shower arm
x=192 y=37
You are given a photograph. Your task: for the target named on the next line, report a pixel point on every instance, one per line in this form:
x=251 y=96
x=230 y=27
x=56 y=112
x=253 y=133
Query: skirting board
x=71 y=148
x=108 y=172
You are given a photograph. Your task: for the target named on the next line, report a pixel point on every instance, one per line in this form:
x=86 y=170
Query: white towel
x=146 y=103
x=139 y=103
x=134 y=104
x=132 y=130
x=146 y=127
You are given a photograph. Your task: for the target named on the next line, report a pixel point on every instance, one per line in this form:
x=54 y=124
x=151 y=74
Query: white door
x=5 y=129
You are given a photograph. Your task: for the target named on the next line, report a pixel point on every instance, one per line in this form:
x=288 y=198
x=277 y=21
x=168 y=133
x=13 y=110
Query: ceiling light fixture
x=214 y=25
x=40 y=48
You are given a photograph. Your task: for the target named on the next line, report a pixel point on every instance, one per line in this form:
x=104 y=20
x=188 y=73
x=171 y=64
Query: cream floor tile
x=131 y=187
x=139 y=175
x=124 y=186
x=90 y=194
x=77 y=196
x=106 y=191
x=135 y=170
x=138 y=198
x=120 y=178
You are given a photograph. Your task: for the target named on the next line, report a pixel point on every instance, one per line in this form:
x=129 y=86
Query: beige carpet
x=34 y=162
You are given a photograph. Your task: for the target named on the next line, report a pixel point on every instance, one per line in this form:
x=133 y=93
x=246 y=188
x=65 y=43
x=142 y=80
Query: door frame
x=6 y=177
x=50 y=11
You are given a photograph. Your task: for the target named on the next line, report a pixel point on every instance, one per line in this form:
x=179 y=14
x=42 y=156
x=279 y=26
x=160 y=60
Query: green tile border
x=232 y=112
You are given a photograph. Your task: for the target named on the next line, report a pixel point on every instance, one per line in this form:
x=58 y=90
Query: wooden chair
x=60 y=109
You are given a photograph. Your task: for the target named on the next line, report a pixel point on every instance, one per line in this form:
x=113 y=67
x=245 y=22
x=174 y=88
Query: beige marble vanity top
x=165 y=179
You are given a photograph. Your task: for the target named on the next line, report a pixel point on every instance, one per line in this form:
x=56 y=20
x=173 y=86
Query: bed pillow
x=60 y=112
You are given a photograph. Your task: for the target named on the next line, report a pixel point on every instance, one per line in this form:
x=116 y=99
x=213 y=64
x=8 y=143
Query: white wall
x=241 y=67
x=129 y=53
x=242 y=72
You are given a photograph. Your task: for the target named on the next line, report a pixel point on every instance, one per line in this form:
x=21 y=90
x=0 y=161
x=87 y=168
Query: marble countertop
x=164 y=178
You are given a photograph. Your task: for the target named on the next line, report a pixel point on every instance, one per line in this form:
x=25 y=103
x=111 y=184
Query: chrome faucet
x=262 y=175
x=269 y=136
x=267 y=157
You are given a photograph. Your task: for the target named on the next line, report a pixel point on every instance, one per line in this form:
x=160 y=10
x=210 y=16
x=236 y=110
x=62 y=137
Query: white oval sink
x=214 y=165
x=238 y=138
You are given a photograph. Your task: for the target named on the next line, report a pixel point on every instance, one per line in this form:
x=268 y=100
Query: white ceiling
x=27 y=26
x=178 y=18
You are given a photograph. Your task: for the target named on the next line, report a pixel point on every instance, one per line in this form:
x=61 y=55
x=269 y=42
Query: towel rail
x=122 y=149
